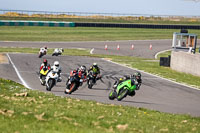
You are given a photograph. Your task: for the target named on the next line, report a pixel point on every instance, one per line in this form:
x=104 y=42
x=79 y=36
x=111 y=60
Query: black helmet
x=137 y=75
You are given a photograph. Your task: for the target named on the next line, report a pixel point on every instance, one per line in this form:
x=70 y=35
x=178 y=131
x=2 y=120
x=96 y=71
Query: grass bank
x=28 y=33
x=23 y=110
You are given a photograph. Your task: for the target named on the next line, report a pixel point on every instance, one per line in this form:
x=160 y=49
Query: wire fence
x=94 y=16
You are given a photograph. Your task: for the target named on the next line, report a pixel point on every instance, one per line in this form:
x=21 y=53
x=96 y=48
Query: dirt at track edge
x=3 y=59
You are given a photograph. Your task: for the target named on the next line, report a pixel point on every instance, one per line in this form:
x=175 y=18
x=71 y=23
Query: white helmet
x=56 y=63
x=94 y=64
x=83 y=68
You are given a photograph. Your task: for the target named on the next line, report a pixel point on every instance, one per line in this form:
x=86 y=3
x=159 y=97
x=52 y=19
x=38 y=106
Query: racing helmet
x=83 y=68
x=56 y=63
x=137 y=75
x=45 y=61
x=95 y=65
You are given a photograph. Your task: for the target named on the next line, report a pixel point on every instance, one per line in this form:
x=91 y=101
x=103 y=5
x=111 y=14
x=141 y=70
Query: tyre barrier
x=36 y=23
x=150 y=26
x=75 y=24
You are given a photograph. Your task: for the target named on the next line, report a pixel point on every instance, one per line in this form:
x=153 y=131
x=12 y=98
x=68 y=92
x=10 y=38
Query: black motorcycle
x=91 y=79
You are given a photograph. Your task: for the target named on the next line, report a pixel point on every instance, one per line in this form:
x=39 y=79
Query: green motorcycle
x=123 y=89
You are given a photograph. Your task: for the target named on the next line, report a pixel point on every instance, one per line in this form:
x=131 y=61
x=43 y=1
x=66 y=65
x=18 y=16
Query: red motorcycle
x=74 y=81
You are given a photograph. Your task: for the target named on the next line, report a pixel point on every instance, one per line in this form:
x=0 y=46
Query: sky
x=151 y=7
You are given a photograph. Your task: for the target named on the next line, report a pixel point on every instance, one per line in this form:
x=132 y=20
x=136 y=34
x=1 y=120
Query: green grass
x=117 y=20
x=165 y=54
x=73 y=52
x=45 y=112
x=28 y=33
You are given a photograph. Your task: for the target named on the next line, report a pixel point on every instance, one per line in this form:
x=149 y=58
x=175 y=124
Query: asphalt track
x=155 y=93
x=141 y=48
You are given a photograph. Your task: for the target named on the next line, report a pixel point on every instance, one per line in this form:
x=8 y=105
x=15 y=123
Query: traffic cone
x=132 y=47
x=150 y=47
x=118 y=48
x=106 y=47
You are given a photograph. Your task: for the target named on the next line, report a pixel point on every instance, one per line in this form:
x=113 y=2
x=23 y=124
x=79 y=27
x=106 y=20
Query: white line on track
x=89 y=41
x=195 y=88
x=156 y=56
x=18 y=74
x=91 y=51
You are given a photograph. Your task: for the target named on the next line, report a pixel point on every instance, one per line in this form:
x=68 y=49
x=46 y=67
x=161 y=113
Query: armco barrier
x=36 y=23
x=151 y=26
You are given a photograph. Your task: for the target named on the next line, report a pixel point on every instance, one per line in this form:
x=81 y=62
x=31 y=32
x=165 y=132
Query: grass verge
x=73 y=52
x=28 y=33
x=23 y=110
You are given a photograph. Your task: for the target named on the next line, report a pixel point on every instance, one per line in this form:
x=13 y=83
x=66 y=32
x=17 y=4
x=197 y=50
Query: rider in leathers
x=82 y=73
x=56 y=68
x=96 y=70
x=135 y=78
x=43 y=50
x=44 y=66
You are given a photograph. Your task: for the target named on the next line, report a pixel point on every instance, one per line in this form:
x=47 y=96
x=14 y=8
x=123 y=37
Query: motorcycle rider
x=135 y=79
x=58 y=51
x=56 y=68
x=43 y=50
x=44 y=66
x=96 y=70
x=82 y=73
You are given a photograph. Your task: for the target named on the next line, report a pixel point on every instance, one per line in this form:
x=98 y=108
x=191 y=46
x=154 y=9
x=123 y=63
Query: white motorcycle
x=42 y=52
x=58 y=51
x=51 y=80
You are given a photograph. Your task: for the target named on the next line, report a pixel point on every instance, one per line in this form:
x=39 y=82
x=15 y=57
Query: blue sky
x=154 y=7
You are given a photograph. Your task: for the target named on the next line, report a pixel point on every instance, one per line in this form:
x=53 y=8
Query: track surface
x=141 y=48
x=155 y=93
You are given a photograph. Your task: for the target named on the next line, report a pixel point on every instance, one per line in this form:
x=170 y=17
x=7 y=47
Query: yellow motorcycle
x=43 y=74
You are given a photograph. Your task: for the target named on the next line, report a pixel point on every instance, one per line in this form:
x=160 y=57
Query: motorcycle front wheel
x=43 y=80
x=50 y=84
x=122 y=94
x=90 y=84
x=112 y=95
x=72 y=87
x=40 y=55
